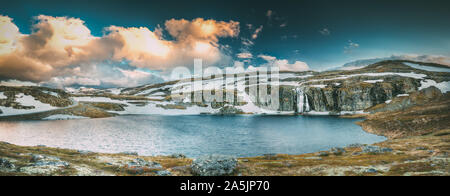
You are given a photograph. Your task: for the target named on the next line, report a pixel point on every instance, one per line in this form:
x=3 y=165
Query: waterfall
x=302 y=101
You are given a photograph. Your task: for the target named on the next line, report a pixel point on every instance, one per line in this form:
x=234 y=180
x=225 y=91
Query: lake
x=191 y=135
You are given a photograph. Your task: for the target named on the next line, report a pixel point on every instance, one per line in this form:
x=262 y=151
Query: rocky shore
x=417 y=155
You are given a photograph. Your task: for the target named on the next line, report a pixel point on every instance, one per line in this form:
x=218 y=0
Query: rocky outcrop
x=356 y=96
x=44 y=165
x=420 y=113
x=6 y=164
x=214 y=165
x=229 y=110
x=375 y=149
x=54 y=97
x=398 y=103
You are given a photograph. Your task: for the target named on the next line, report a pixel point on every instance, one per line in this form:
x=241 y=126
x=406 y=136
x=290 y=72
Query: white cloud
x=284 y=64
x=267 y=57
x=325 y=31
x=245 y=55
x=350 y=46
x=57 y=44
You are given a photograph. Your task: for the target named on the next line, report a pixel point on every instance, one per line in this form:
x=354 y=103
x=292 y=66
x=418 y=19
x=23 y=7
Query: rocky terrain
x=408 y=105
x=339 y=92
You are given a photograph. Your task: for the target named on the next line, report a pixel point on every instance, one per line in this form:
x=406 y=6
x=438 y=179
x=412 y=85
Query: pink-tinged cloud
x=59 y=46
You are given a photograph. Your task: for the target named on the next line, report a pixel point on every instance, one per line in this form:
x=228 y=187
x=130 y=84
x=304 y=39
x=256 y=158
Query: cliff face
x=355 y=95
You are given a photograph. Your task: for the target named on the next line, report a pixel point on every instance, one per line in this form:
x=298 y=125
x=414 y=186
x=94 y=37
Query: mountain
x=338 y=92
x=431 y=60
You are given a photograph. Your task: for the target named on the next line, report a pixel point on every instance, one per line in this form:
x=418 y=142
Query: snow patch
x=403 y=95
x=352 y=112
x=3 y=96
x=51 y=93
x=312 y=112
x=443 y=86
x=63 y=117
x=427 y=68
x=373 y=81
x=26 y=100
x=319 y=86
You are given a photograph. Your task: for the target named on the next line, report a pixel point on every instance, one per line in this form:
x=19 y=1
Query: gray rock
x=141 y=163
x=42 y=160
x=375 y=149
x=84 y=152
x=370 y=170
x=130 y=153
x=313 y=158
x=163 y=173
x=44 y=165
x=421 y=148
x=323 y=154
x=177 y=156
x=229 y=110
x=337 y=151
x=6 y=164
x=214 y=165
x=36 y=157
x=355 y=145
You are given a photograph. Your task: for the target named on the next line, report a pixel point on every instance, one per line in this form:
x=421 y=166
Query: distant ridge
x=429 y=60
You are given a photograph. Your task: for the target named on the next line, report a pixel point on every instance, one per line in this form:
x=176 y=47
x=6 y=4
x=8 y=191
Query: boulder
x=375 y=149
x=41 y=160
x=44 y=165
x=6 y=164
x=337 y=151
x=177 y=156
x=141 y=163
x=370 y=170
x=163 y=173
x=214 y=165
x=323 y=154
x=130 y=153
x=229 y=110
x=355 y=145
x=84 y=152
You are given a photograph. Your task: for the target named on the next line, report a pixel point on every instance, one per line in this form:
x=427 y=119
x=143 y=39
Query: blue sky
x=321 y=33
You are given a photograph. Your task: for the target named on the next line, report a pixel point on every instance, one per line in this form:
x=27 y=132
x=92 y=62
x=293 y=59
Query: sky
x=112 y=43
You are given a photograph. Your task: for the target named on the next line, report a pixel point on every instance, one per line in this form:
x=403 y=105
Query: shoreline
x=420 y=153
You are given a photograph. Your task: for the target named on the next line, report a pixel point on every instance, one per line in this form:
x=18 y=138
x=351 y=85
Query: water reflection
x=191 y=135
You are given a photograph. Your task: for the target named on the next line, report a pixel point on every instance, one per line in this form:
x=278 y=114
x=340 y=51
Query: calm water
x=191 y=135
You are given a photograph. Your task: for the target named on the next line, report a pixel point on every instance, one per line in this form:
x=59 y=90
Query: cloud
x=325 y=31
x=257 y=31
x=282 y=25
x=59 y=47
x=245 y=55
x=350 y=46
x=284 y=64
